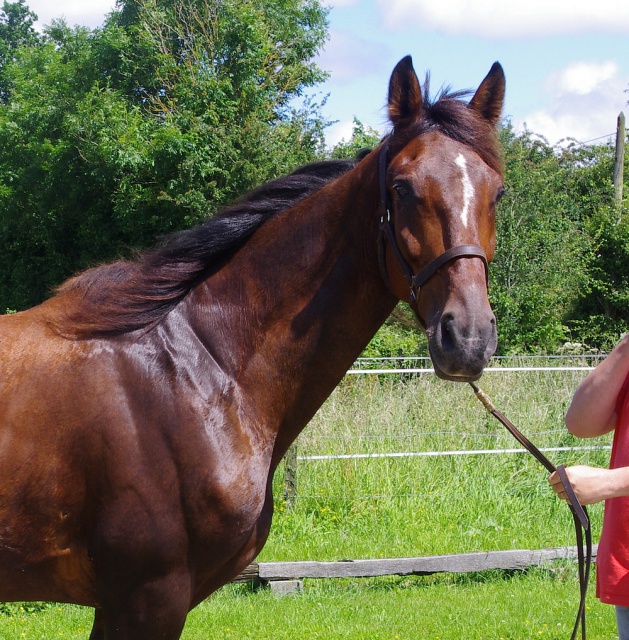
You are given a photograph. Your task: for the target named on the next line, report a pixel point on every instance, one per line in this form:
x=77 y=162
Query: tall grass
x=401 y=506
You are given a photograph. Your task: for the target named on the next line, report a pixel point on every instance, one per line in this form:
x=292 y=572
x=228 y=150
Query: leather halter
x=387 y=237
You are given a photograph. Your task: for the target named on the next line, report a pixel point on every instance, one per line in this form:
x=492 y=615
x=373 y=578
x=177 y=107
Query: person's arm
x=592 y=411
x=593 y=484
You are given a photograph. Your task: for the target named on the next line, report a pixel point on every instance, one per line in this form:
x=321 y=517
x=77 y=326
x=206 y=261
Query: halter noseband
x=387 y=236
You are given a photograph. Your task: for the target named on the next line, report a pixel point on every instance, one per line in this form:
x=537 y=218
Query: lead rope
x=579 y=513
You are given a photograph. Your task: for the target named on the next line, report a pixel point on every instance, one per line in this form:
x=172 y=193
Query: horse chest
x=224 y=506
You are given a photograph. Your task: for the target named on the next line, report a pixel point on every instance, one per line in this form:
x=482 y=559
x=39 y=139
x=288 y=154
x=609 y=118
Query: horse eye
x=402 y=190
x=499 y=195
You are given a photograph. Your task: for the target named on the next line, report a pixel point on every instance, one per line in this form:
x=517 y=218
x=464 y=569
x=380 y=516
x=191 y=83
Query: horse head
x=441 y=179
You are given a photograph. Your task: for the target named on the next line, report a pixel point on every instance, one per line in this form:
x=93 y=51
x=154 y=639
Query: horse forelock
x=130 y=295
x=449 y=114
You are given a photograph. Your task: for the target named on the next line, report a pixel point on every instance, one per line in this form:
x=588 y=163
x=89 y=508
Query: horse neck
x=289 y=314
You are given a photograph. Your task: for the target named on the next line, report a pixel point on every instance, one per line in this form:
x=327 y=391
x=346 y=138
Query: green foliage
x=14 y=609
x=226 y=73
x=362 y=138
x=543 y=248
x=393 y=340
x=115 y=136
x=112 y=137
x=399 y=336
x=16 y=30
x=601 y=312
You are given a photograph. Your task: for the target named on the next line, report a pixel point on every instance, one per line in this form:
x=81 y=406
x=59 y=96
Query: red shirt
x=612 y=558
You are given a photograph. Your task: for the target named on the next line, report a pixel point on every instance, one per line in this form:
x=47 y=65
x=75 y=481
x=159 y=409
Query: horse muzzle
x=461 y=344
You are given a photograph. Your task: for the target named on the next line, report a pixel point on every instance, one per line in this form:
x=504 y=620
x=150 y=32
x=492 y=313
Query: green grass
x=388 y=507
x=539 y=603
x=533 y=604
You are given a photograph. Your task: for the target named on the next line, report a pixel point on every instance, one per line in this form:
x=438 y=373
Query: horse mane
x=128 y=295
x=449 y=114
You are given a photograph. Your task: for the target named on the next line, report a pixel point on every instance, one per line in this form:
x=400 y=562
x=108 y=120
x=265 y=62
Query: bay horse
x=145 y=406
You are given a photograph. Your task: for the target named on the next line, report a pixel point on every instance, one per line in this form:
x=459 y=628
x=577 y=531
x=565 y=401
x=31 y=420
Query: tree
x=363 y=138
x=560 y=268
x=540 y=263
x=16 y=30
x=601 y=309
x=230 y=70
x=145 y=126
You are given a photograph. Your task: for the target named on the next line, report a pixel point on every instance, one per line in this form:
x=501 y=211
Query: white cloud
x=585 y=99
x=505 y=19
x=583 y=77
x=90 y=14
x=338 y=132
x=348 y=56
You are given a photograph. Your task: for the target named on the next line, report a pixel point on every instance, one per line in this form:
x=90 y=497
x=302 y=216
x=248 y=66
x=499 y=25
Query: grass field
x=489 y=606
x=387 y=507
x=407 y=506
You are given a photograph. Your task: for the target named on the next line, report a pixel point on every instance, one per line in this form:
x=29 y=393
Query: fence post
x=290 y=475
x=619 y=163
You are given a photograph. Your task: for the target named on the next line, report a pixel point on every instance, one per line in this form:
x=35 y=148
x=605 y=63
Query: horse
x=145 y=406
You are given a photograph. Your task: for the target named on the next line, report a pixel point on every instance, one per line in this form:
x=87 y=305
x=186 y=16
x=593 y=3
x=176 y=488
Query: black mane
x=132 y=294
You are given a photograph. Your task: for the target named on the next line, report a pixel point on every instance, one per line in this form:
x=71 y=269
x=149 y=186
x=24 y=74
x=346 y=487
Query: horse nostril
x=448 y=329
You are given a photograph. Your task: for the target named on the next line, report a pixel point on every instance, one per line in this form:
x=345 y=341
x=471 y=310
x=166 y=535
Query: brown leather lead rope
x=579 y=513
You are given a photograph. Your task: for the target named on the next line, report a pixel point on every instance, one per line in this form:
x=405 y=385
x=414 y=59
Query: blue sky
x=566 y=61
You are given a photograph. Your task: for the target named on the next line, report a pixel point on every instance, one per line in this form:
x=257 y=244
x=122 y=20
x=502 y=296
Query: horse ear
x=489 y=97
x=405 y=94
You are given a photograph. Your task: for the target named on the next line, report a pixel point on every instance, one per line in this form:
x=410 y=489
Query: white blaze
x=468 y=188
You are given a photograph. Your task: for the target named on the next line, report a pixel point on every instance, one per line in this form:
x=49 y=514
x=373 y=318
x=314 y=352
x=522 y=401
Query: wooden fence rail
x=273 y=572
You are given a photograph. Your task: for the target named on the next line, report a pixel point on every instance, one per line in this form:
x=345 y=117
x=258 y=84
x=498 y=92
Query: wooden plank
x=250 y=574
x=457 y=563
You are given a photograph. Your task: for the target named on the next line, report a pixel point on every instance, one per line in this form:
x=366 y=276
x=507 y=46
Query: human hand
x=590 y=484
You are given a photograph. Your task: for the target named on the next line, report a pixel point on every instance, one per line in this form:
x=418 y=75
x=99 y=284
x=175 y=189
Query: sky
x=566 y=61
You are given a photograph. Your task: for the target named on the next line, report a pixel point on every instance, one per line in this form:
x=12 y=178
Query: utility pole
x=619 y=164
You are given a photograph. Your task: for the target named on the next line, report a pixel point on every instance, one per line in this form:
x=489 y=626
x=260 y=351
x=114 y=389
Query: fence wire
x=396 y=409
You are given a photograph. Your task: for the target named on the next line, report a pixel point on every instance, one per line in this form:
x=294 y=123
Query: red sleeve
x=622 y=395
